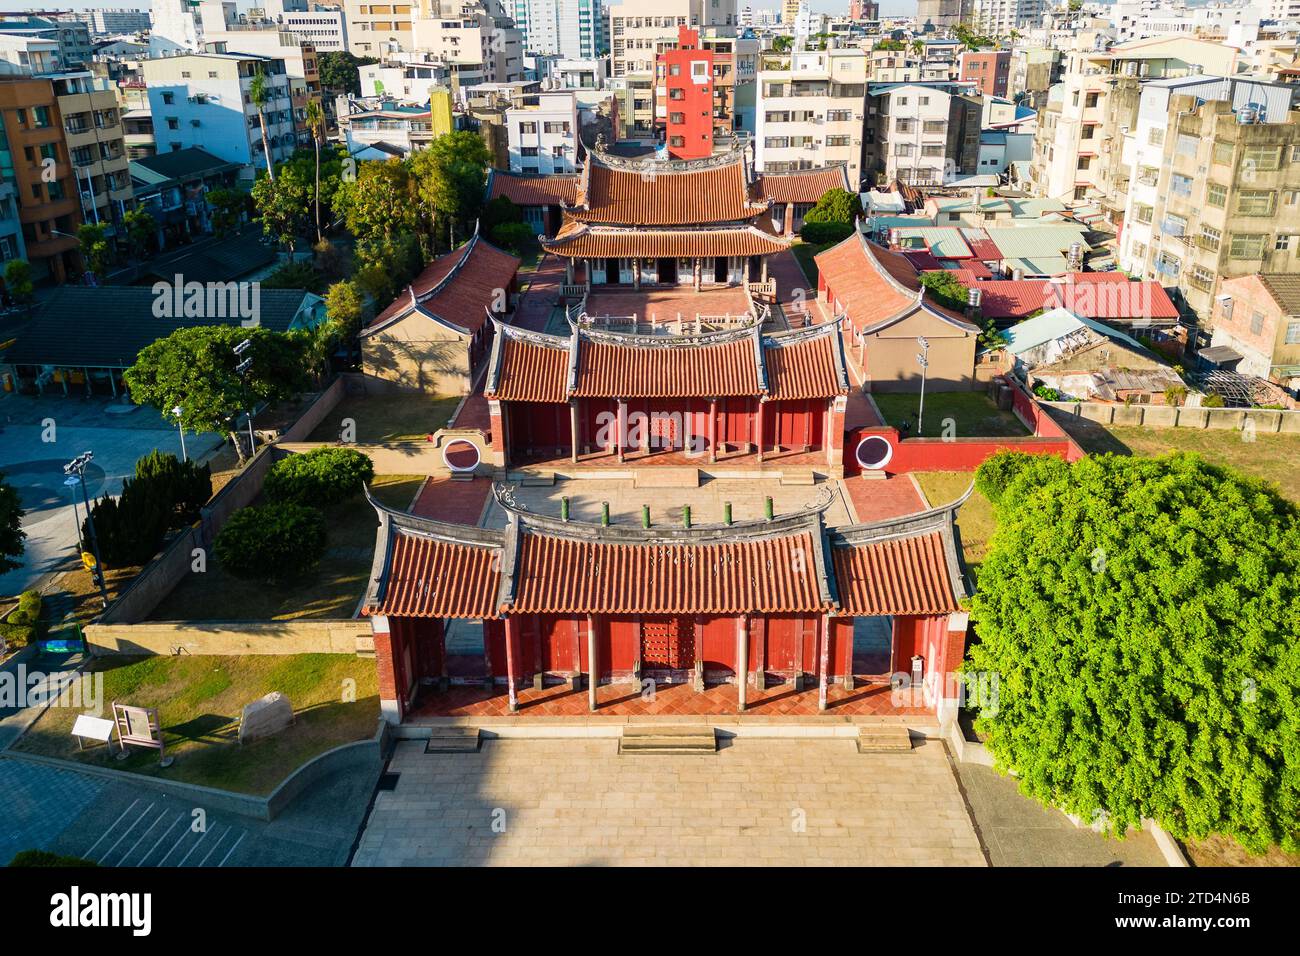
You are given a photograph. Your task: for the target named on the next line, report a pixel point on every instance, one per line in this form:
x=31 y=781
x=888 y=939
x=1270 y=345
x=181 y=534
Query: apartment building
x=11 y=226
x=474 y=37
x=639 y=32
x=324 y=29
x=179 y=25
x=684 y=97
x=810 y=110
x=95 y=140
x=111 y=22
x=943 y=13
x=570 y=28
x=989 y=70
x=922 y=134
x=543 y=138
x=1034 y=70
x=377 y=29
x=34 y=159
x=1079 y=126
x=300 y=58
x=1000 y=17
x=203 y=100
x=70 y=37
x=1214 y=188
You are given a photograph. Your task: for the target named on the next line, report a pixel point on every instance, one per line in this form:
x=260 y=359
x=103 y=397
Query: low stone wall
x=411 y=457
x=1262 y=420
x=319 y=410
x=232 y=637
x=157 y=578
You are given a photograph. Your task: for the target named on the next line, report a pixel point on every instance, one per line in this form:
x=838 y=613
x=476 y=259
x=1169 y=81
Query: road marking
x=232 y=849
x=192 y=849
x=125 y=833
x=229 y=830
x=179 y=818
x=112 y=827
x=161 y=816
x=179 y=840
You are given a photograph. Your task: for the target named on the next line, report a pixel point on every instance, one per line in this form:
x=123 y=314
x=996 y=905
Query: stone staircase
x=658 y=739
x=453 y=740
x=883 y=738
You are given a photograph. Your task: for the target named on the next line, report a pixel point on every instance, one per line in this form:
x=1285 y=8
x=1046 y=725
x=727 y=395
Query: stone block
x=265 y=717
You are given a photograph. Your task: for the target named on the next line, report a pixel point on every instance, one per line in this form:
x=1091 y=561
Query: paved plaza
x=754 y=802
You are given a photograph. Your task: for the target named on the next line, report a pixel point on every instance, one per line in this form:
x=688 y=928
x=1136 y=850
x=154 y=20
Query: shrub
x=321 y=477
x=296 y=275
x=999 y=470
x=1175 y=395
x=277 y=542
x=1212 y=400
x=835 y=205
x=130 y=528
x=1047 y=393
x=514 y=236
x=186 y=484
x=23 y=625
x=46 y=858
x=819 y=233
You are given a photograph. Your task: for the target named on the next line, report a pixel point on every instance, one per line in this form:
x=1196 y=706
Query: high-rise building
x=684 y=94
x=989 y=70
x=570 y=28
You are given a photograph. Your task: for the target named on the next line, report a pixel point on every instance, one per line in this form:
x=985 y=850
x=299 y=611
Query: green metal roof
x=1050 y=326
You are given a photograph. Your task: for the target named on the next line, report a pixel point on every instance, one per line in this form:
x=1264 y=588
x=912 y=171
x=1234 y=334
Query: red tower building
x=686 y=90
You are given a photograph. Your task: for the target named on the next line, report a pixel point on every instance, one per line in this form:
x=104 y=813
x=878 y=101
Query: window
x=1222 y=154
x=675 y=70
x=1292 y=333
x=1255 y=202
x=1261 y=158
x=932 y=150
x=556 y=127
x=168 y=98
x=527 y=129
x=677 y=93
x=1180 y=185
x=676 y=141
x=1201 y=278
x=1247 y=247
x=1174 y=225
x=1209 y=238
x=1256 y=323
x=1216 y=195
x=1281 y=243
x=1185 y=145
x=41 y=117
x=528 y=151
x=923 y=101
x=902 y=101
x=173 y=123
x=1084 y=162
x=677 y=119
x=1143 y=213
x=699 y=71
x=1156 y=137
x=837 y=141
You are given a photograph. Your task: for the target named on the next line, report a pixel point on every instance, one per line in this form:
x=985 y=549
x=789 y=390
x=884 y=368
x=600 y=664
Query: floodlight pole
x=78 y=467
x=242 y=371
x=177 y=411
x=923 y=359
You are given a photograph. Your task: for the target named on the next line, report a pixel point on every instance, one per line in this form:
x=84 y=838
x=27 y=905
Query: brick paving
x=668 y=304
x=458 y=501
x=674 y=700
x=806 y=802
x=534 y=309
x=875 y=499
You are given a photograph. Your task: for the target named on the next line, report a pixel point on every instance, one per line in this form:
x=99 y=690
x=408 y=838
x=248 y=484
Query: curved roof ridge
x=694 y=339
x=880 y=267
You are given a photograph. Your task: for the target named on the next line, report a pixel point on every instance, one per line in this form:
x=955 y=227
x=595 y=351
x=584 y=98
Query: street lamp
x=242 y=371
x=922 y=359
x=77 y=467
x=71 y=483
x=177 y=411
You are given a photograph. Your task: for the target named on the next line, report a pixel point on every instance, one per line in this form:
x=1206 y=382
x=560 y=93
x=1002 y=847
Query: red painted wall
x=695 y=106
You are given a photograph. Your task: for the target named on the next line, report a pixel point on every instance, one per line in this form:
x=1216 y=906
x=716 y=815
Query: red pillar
x=824 y=664
x=713 y=430
x=391 y=705
x=835 y=431
x=497 y=422
x=761 y=405
x=622 y=428
x=512 y=632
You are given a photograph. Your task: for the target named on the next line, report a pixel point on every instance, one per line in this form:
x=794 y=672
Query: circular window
x=874 y=451
x=460 y=456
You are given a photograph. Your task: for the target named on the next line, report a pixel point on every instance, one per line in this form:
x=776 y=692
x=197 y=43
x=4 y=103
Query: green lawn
x=199 y=699
x=975 y=519
x=330 y=590
x=974 y=413
x=804 y=253
x=386 y=418
x=1271 y=457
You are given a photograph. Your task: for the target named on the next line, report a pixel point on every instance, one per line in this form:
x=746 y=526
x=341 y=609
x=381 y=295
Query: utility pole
x=923 y=359
x=242 y=371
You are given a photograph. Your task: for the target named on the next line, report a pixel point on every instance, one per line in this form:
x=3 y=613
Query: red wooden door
x=782 y=643
x=619 y=641
x=718 y=648
x=559 y=644
x=667 y=644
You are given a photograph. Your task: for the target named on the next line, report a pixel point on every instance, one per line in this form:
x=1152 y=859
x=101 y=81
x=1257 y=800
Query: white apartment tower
x=570 y=28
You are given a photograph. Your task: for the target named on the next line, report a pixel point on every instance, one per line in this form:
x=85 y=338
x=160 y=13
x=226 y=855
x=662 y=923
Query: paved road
x=118 y=824
x=771 y=802
x=39 y=435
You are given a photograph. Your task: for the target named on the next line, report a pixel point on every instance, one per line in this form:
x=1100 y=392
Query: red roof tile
x=534 y=190
x=655 y=194
x=803 y=186
x=566 y=576
x=577 y=240
x=808 y=368
x=898 y=576
x=428 y=577
x=459 y=287
x=868 y=287
x=667 y=371
x=529 y=372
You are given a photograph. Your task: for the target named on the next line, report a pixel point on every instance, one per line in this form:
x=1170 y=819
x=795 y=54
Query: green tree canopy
x=96 y=248
x=338 y=71
x=450 y=176
x=1141 y=617
x=11 y=527
x=836 y=205
x=379 y=205
x=194 y=369
x=228 y=206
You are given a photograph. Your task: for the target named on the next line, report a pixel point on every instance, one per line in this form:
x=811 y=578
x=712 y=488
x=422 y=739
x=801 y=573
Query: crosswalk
x=154 y=833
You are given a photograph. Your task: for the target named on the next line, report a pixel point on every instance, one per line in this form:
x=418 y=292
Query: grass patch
x=1220 y=850
x=1270 y=457
x=974 y=413
x=804 y=253
x=385 y=418
x=199 y=700
x=330 y=590
x=975 y=520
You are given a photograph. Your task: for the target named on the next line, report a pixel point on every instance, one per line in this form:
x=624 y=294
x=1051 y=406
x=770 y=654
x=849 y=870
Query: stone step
x=652 y=739
x=883 y=738
x=453 y=740
x=667 y=476
x=530 y=477
x=798 y=476
x=873 y=473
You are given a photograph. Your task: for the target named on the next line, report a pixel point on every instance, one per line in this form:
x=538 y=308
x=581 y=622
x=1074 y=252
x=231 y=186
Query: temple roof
x=581 y=240
x=456 y=289
x=545 y=190
x=533 y=366
x=876 y=287
x=804 y=185
x=790 y=564
x=650 y=192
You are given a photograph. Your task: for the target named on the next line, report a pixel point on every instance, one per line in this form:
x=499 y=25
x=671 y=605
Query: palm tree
x=316 y=123
x=257 y=92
